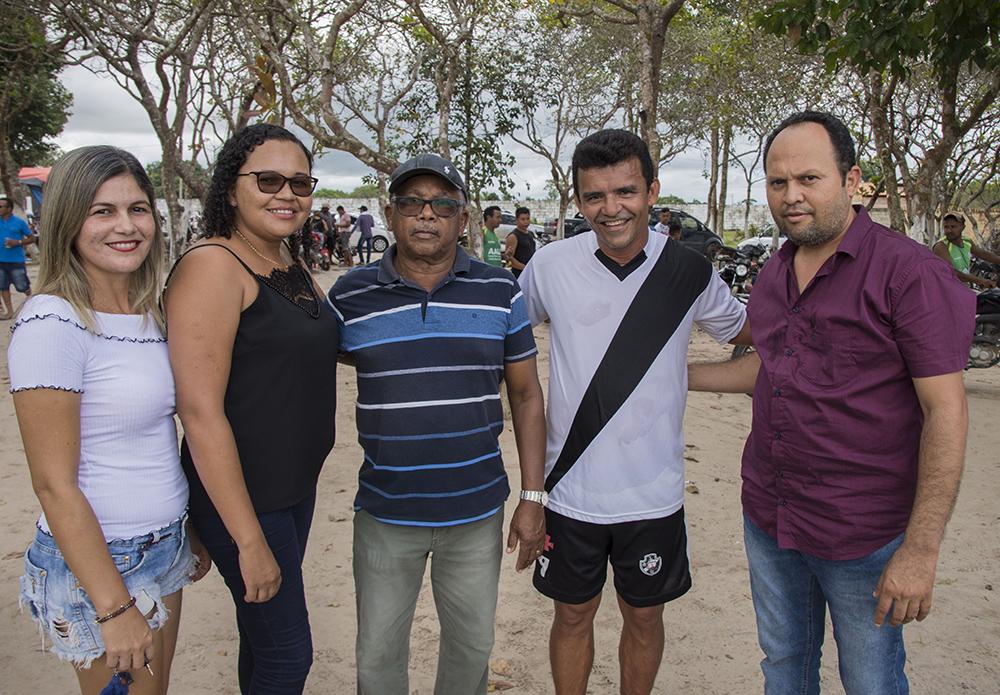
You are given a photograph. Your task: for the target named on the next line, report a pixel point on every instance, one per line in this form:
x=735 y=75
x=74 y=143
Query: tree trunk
x=175 y=211
x=563 y=207
x=9 y=170
x=878 y=97
x=713 y=176
x=653 y=33
x=746 y=209
x=727 y=138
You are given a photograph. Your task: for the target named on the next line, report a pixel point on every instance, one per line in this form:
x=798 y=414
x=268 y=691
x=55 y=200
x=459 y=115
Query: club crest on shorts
x=651 y=564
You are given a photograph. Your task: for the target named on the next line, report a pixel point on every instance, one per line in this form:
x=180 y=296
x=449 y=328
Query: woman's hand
x=261 y=574
x=128 y=641
x=202 y=560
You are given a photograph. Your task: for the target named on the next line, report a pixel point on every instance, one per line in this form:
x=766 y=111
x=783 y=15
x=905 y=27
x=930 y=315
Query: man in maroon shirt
x=859 y=420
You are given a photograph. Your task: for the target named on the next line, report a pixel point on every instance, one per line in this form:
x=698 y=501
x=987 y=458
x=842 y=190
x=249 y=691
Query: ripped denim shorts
x=153 y=565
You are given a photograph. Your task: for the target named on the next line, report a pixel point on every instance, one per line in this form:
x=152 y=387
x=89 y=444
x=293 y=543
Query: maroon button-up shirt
x=830 y=467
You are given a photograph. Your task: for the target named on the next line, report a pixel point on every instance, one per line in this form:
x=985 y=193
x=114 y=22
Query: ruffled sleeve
x=48 y=347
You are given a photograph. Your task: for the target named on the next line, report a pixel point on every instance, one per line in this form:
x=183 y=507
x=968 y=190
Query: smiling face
x=616 y=201
x=808 y=196
x=116 y=234
x=271 y=216
x=427 y=237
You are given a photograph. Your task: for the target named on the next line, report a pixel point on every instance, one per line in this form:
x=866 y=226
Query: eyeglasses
x=272 y=182
x=411 y=206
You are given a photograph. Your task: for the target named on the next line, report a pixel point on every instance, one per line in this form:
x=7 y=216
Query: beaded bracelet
x=116 y=612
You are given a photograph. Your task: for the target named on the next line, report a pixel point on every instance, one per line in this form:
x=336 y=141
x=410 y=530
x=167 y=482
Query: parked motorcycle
x=985 y=350
x=739 y=268
x=319 y=254
x=985 y=270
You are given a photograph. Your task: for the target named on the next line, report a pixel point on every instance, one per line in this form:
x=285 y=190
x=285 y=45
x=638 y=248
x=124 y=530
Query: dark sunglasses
x=411 y=206
x=272 y=182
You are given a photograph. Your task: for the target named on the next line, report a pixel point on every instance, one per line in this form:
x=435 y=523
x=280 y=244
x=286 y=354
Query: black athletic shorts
x=649 y=558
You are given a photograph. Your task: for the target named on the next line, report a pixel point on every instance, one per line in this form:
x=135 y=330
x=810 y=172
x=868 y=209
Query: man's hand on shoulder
x=906 y=586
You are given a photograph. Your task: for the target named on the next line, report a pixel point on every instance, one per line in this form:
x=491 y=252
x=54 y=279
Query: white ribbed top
x=129 y=465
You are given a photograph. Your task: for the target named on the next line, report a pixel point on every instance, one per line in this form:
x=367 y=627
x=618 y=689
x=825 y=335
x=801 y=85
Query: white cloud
x=103 y=113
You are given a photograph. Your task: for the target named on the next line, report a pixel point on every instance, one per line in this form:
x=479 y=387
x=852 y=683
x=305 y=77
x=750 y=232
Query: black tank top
x=281 y=397
x=525 y=249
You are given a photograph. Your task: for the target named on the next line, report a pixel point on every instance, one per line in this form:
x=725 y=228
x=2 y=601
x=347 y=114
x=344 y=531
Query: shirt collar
x=387 y=266
x=850 y=244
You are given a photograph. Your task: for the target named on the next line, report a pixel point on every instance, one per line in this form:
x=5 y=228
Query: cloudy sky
x=104 y=114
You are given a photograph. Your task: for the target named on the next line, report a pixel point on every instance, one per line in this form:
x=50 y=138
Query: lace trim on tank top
x=295 y=286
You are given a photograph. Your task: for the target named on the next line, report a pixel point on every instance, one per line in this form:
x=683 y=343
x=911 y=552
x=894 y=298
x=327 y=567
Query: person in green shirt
x=959 y=250
x=491 y=243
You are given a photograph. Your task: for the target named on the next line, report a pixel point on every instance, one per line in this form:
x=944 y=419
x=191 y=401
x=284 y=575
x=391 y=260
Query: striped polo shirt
x=429 y=367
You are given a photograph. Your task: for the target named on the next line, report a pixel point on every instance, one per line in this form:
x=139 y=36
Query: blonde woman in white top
x=94 y=396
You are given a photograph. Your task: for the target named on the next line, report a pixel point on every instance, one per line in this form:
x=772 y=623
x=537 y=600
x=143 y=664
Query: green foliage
x=365 y=190
x=330 y=193
x=155 y=172
x=34 y=104
x=871 y=35
x=671 y=200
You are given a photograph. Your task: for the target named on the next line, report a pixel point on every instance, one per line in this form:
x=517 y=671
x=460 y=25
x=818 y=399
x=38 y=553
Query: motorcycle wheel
x=324 y=263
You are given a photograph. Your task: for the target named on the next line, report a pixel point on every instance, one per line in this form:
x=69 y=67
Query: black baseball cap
x=427 y=163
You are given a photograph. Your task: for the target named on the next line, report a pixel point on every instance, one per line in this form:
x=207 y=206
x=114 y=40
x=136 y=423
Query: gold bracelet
x=116 y=612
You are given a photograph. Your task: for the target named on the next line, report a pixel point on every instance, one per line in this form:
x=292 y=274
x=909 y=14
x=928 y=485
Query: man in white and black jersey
x=622 y=303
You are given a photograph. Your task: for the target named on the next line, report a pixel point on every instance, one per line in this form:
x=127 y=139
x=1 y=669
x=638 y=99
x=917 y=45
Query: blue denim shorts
x=154 y=565
x=16 y=274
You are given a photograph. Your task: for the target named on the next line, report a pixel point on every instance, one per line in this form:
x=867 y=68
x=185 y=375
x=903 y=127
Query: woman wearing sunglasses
x=95 y=403
x=253 y=353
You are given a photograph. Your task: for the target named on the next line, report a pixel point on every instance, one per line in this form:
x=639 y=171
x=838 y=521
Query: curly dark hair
x=220 y=220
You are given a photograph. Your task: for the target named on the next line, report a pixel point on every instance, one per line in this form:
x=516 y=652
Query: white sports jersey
x=618 y=374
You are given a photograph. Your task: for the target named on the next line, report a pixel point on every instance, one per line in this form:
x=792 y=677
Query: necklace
x=254 y=249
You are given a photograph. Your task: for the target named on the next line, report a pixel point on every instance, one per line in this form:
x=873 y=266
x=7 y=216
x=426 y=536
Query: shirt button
x=777 y=435
x=788 y=352
x=780 y=473
x=777 y=392
x=783 y=503
x=796 y=309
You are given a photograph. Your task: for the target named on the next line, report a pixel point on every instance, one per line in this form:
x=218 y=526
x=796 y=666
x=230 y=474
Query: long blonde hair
x=72 y=186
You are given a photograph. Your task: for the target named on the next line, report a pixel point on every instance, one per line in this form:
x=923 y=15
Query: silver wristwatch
x=537 y=496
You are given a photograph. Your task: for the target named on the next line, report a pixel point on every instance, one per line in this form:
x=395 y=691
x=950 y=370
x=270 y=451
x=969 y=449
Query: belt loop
x=156 y=536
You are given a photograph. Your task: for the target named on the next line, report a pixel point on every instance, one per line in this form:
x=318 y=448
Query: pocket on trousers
x=129 y=563
x=33 y=587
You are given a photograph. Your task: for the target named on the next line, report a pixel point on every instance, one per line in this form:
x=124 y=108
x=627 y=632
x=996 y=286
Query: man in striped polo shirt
x=432 y=333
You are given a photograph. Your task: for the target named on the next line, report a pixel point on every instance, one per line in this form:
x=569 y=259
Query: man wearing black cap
x=432 y=332
x=958 y=250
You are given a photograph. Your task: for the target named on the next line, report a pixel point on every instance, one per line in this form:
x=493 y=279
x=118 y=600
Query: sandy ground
x=711 y=642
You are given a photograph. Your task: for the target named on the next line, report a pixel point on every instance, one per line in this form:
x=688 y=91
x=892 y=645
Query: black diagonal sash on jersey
x=659 y=306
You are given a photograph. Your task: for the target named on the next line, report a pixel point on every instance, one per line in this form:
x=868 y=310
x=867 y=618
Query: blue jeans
x=365 y=241
x=275 y=639
x=16 y=274
x=791 y=591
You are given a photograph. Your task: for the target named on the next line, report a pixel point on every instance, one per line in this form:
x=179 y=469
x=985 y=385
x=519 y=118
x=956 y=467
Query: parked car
x=694 y=233
x=571 y=225
x=762 y=241
x=508 y=223
x=381 y=237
